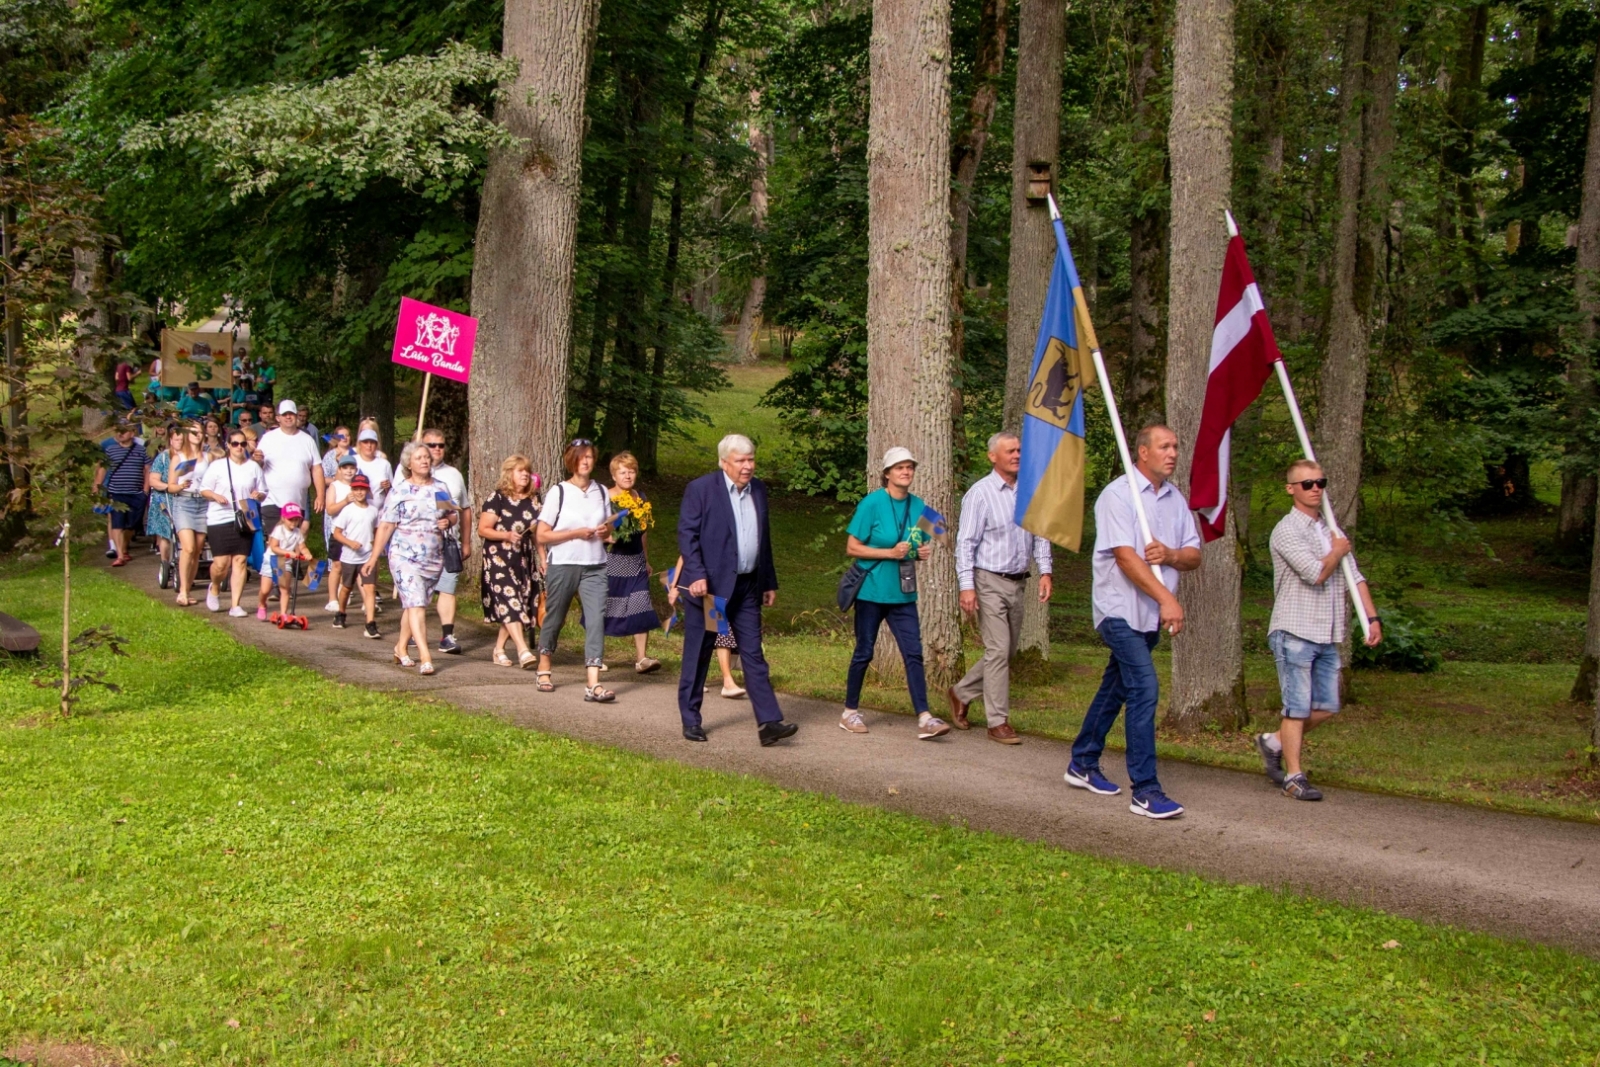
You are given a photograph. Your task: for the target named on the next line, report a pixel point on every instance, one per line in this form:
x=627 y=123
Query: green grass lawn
x=237 y=861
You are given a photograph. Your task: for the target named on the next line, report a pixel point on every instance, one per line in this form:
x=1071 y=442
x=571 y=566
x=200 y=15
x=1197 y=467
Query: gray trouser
x=1000 y=605
x=562 y=582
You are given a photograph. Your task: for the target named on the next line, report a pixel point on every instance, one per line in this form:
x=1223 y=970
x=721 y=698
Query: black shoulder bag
x=453 y=563
x=241 y=521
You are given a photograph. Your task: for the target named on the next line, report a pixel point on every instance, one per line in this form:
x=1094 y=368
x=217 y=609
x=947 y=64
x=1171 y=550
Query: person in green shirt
x=880 y=535
x=195 y=404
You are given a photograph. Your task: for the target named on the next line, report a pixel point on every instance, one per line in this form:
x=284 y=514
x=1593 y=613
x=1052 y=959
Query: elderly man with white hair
x=725 y=537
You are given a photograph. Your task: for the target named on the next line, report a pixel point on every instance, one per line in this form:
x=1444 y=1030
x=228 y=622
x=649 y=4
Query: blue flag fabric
x=717 y=614
x=1050 y=482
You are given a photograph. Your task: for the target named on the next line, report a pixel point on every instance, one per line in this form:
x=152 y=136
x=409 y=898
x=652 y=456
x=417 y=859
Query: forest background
x=310 y=163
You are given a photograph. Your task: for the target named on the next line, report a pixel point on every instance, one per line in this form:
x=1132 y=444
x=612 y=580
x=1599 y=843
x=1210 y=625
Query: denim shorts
x=1308 y=674
x=447 y=582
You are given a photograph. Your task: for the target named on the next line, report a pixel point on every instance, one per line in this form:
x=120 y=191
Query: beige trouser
x=1000 y=624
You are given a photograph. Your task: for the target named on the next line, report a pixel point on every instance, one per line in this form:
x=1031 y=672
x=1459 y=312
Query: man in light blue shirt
x=744 y=517
x=1131 y=608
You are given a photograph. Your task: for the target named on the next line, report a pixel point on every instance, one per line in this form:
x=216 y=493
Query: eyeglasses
x=581 y=442
x=1314 y=483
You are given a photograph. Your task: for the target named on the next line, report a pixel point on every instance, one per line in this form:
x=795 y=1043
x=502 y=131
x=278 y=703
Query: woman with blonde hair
x=629 y=612
x=511 y=564
x=190 y=461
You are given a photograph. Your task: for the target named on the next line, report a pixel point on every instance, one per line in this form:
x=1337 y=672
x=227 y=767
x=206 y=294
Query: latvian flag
x=1243 y=351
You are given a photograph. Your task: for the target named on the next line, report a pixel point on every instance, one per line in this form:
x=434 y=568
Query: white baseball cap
x=369 y=434
x=286 y=407
x=896 y=456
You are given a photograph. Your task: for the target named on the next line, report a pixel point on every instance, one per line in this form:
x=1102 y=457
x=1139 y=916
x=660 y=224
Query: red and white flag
x=1243 y=351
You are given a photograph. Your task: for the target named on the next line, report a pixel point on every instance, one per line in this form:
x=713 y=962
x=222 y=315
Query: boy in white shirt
x=338 y=497
x=353 y=530
x=287 y=543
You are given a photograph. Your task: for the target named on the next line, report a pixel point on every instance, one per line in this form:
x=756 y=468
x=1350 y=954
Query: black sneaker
x=372 y=630
x=338 y=621
x=447 y=643
x=1272 y=761
x=1298 y=787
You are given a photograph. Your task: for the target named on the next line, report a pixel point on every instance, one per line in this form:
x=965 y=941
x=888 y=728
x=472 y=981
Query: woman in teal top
x=879 y=535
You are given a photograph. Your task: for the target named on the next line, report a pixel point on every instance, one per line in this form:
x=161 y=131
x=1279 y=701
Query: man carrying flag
x=1308 y=614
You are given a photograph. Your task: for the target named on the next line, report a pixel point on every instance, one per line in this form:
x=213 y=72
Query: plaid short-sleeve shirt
x=1301 y=606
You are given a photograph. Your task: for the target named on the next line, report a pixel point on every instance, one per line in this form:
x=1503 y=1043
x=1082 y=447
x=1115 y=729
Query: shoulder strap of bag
x=120 y=464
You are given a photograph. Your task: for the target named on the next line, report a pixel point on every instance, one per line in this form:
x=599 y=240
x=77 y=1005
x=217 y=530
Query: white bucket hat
x=896 y=456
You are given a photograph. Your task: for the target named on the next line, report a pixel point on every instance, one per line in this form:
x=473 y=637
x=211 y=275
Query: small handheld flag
x=931 y=526
x=616 y=517
x=717 y=614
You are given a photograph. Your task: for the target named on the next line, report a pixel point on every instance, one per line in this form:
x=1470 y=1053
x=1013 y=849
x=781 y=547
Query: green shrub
x=1410 y=644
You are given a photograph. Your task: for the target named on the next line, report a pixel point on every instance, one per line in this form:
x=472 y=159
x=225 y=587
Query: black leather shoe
x=773 y=732
x=693 y=733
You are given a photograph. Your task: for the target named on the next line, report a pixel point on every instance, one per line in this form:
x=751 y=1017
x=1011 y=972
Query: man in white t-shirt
x=290 y=465
x=433 y=441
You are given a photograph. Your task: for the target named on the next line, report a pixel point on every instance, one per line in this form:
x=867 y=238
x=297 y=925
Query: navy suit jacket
x=708 y=536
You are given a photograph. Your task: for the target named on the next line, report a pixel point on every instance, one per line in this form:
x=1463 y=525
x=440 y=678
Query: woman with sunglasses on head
x=229 y=485
x=158 y=515
x=412 y=529
x=574 y=527
x=188 y=465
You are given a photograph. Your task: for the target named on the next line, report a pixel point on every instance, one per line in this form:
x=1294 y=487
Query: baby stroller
x=294 y=573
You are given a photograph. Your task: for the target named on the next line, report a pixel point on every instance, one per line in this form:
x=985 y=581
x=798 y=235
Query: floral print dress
x=416 y=548
x=509 y=570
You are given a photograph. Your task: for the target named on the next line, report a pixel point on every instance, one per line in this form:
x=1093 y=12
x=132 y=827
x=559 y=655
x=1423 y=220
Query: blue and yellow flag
x=1050 y=483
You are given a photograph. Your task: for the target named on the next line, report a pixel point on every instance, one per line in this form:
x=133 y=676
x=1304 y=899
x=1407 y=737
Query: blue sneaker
x=1091 y=779
x=1154 y=804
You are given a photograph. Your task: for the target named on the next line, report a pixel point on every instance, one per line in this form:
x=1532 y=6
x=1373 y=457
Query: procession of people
x=219 y=490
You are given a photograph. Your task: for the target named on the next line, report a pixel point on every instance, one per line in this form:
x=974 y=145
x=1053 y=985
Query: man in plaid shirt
x=1308 y=623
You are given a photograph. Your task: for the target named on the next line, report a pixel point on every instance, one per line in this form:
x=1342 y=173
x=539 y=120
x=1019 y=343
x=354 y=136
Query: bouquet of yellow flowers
x=637 y=516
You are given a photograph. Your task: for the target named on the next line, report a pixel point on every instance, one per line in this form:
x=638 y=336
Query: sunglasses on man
x=1309 y=484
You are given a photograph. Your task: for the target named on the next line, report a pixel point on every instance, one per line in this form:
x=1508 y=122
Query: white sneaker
x=212 y=603
x=237 y=613
x=332 y=605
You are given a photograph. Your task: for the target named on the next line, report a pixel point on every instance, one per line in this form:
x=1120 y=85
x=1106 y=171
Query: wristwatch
x=1372 y=618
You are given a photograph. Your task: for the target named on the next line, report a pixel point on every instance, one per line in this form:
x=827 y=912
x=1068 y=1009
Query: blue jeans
x=1308 y=674
x=907 y=630
x=1130 y=678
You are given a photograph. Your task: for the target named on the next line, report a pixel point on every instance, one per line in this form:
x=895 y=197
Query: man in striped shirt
x=122 y=476
x=992 y=556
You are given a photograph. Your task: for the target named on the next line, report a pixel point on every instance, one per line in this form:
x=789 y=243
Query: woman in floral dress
x=510 y=566
x=158 y=515
x=412 y=527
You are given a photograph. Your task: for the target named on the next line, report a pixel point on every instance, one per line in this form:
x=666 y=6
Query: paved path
x=1513 y=875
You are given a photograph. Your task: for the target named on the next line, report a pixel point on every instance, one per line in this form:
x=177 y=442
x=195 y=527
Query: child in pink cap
x=287 y=543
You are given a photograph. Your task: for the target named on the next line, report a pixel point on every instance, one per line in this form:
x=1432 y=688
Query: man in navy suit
x=725 y=537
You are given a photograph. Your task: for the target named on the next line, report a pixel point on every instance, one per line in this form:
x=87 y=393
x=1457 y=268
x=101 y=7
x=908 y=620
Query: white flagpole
x=1348 y=564
x=1116 y=419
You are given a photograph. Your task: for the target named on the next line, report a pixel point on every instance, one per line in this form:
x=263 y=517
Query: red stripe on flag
x=1243 y=350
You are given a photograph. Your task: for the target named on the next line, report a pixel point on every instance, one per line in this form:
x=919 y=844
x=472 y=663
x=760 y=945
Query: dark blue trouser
x=1130 y=679
x=907 y=630
x=744 y=619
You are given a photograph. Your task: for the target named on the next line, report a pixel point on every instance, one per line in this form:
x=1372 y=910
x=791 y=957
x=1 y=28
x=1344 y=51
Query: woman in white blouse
x=574 y=527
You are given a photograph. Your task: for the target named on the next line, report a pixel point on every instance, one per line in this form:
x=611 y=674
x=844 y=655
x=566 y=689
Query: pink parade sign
x=434 y=340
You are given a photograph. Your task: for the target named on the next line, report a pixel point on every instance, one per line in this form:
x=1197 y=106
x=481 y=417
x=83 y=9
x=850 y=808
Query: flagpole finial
x=1055 y=212
x=1233 y=227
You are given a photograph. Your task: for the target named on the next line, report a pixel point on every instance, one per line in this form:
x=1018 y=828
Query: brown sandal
x=545 y=685
x=599 y=694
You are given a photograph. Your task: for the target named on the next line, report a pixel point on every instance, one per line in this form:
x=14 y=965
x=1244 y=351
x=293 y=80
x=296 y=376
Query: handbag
x=850 y=583
x=241 y=521
x=452 y=556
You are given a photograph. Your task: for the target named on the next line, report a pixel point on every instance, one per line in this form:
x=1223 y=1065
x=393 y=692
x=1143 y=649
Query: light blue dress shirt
x=1117 y=526
x=744 y=517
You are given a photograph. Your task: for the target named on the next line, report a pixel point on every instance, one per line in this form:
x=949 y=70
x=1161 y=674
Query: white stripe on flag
x=1235 y=325
x=1223 y=451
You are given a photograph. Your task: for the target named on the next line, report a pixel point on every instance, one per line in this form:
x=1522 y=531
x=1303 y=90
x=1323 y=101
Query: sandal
x=599 y=694
x=404 y=661
x=527 y=659
x=502 y=660
x=426 y=668
x=545 y=684
x=646 y=665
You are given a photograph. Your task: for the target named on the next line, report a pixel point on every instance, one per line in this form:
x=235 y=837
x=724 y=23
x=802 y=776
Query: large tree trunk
x=1587 y=284
x=527 y=229
x=1147 y=253
x=1207 y=657
x=1036 y=137
x=18 y=501
x=746 y=343
x=1367 y=91
x=908 y=282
